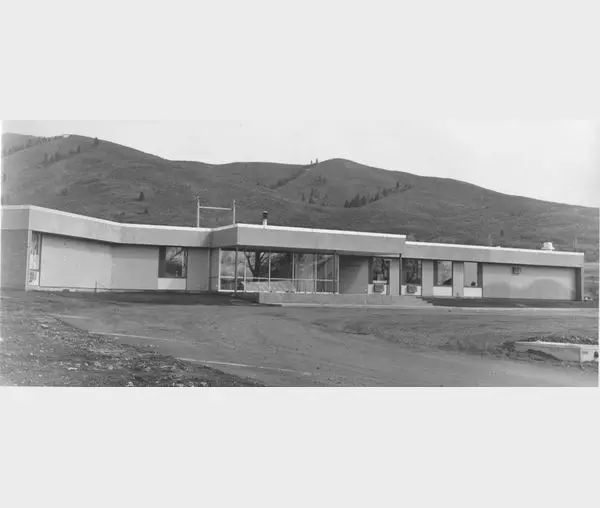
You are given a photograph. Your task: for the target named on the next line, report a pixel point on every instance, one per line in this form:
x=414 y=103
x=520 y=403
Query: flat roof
x=57 y=222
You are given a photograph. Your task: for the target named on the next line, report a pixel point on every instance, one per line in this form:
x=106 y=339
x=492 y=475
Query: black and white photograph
x=299 y=254
x=123 y=267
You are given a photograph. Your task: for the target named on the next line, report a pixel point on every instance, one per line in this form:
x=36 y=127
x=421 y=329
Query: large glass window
x=257 y=265
x=172 y=262
x=473 y=275
x=442 y=273
x=228 y=270
x=325 y=273
x=380 y=270
x=411 y=272
x=304 y=272
x=281 y=272
x=263 y=271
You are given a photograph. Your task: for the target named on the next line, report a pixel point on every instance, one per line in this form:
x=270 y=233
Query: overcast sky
x=556 y=161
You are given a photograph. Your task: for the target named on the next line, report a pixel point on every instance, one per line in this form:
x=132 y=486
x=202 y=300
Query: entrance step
x=341 y=299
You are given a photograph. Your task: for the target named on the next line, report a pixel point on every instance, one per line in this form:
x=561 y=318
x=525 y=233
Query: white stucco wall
x=134 y=267
x=539 y=282
x=198 y=270
x=75 y=263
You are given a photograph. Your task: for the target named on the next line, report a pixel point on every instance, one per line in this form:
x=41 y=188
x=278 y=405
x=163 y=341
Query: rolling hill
x=103 y=179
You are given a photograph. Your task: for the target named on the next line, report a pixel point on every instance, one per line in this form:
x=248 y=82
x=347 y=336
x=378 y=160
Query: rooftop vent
x=547 y=246
x=265 y=218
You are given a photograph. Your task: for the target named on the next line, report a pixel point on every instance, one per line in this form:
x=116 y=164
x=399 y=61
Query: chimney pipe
x=547 y=246
x=265 y=217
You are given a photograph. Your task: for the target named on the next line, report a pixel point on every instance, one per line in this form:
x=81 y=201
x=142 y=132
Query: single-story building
x=45 y=249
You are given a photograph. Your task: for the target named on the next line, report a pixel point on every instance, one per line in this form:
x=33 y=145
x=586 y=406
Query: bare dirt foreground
x=41 y=350
x=181 y=340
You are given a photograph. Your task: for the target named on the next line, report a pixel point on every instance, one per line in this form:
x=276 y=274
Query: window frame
x=162 y=262
x=385 y=269
x=404 y=281
x=436 y=263
x=479 y=274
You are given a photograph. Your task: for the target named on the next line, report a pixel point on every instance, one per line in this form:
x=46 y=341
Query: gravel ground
x=39 y=350
x=564 y=339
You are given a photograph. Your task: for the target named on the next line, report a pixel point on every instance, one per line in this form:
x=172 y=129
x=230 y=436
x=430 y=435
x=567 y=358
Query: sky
x=551 y=160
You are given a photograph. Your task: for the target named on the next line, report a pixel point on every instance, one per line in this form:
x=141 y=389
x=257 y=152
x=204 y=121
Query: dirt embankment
x=40 y=350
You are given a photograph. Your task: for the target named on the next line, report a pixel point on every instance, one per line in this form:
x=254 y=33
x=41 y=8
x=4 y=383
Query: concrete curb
x=435 y=308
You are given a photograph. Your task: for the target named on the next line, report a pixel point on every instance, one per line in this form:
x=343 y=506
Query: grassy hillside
x=103 y=179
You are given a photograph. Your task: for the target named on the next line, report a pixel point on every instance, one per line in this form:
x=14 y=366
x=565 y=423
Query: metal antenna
x=198 y=207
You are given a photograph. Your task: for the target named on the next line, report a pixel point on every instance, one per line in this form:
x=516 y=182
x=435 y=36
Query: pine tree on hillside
x=397 y=184
x=363 y=201
x=141 y=196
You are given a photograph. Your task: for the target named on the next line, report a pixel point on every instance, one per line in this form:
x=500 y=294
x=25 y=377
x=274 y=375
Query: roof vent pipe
x=265 y=218
x=547 y=246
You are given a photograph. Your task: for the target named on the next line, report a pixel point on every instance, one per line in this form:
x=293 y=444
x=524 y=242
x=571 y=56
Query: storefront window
x=228 y=270
x=442 y=273
x=257 y=265
x=172 y=262
x=380 y=270
x=473 y=275
x=325 y=273
x=411 y=272
x=304 y=272
x=281 y=272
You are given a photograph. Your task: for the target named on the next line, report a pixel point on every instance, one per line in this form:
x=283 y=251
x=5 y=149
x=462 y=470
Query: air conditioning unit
x=516 y=270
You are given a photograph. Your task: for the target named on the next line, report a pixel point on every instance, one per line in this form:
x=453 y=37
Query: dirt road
x=302 y=347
